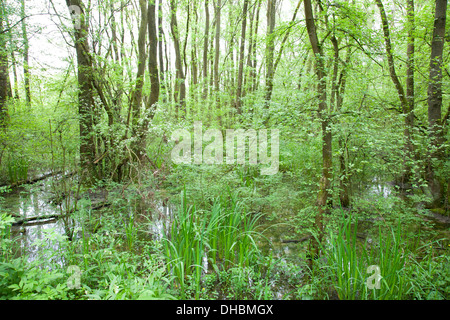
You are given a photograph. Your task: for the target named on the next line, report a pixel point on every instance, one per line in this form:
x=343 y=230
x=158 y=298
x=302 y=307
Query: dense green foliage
x=137 y=225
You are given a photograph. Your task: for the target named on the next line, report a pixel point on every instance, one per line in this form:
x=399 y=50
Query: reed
x=345 y=262
x=391 y=256
x=130 y=232
x=224 y=235
x=185 y=245
x=348 y=259
x=232 y=232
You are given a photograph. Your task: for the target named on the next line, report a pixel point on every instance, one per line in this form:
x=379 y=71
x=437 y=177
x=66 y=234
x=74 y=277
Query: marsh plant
x=352 y=261
x=221 y=238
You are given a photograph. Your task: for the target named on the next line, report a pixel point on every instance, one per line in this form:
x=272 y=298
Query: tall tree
x=435 y=99
x=325 y=181
x=85 y=88
x=26 y=49
x=136 y=97
x=13 y=58
x=410 y=64
x=251 y=40
x=153 y=58
x=205 y=51
x=4 y=75
x=194 y=58
x=253 y=53
x=270 y=48
x=238 y=103
x=160 y=50
x=404 y=101
x=217 y=53
x=149 y=24
x=118 y=57
x=180 y=86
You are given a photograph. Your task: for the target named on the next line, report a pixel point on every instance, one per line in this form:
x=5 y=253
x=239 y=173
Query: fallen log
x=31 y=181
x=51 y=217
x=37 y=218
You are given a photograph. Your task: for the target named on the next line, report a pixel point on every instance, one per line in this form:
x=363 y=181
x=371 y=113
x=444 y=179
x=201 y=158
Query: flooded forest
x=224 y=150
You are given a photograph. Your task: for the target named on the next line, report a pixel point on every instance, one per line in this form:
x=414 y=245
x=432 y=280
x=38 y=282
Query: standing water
x=34 y=237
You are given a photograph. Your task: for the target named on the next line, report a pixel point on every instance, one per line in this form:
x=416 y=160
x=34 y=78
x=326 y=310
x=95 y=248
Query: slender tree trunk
x=188 y=22
x=390 y=57
x=255 y=61
x=217 y=55
x=4 y=74
x=410 y=92
x=16 y=78
x=303 y=70
x=194 y=58
x=231 y=80
x=117 y=99
x=435 y=100
x=334 y=82
x=14 y=61
x=211 y=57
x=26 y=69
x=270 y=47
x=249 y=63
x=205 y=52
x=180 y=92
x=344 y=181
x=160 y=52
x=410 y=63
x=238 y=103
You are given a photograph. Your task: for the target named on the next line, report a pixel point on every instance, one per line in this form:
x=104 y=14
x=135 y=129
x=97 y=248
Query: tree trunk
x=435 y=100
x=205 y=52
x=251 y=37
x=216 y=58
x=153 y=58
x=410 y=93
x=160 y=51
x=344 y=181
x=325 y=181
x=117 y=99
x=4 y=74
x=194 y=58
x=238 y=103
x=270 y=47
x=14 y=61
x=136 y=98
x=253 y=54
x=180 y=87
x=85 y=85
x=26 y=69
